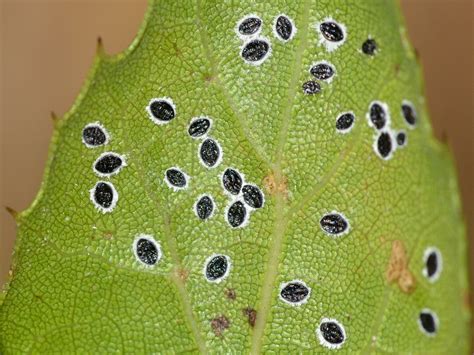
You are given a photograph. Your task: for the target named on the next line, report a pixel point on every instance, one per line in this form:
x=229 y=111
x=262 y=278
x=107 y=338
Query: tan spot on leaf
x=397 y=270
x=406 y=282
x=273 y=186
x=182 y=274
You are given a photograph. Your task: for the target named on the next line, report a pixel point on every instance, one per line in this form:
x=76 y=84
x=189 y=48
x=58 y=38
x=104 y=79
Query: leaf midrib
x=274 y=254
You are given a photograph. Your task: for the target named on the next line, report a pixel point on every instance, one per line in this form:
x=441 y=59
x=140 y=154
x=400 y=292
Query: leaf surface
x=78 y=284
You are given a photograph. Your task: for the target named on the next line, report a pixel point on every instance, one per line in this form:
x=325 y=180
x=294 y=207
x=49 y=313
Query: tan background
x=47 y=48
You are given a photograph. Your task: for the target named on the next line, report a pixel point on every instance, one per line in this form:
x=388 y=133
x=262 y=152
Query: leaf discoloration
x=219 y=325
x=251 y=315
x=397 y=270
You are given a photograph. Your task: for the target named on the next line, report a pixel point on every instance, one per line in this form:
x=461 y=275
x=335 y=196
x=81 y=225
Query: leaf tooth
x=12 y=212
x=99 y=49
x=55 y=118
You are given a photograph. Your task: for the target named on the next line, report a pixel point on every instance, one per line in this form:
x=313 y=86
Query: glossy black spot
x=199 y=127
x=332 y=332
x=322 y=71
x=311 y=87
x=236 y=214
x=331 y=31
x=369 y=47
x=432 y=264
x=162 y=110
x=283 y=27
x=216 y=268
x=334 y=223
x=204 y=207
x=345 y=121
x=104 y=194
x=147 y=251
x=255 y=50
x=209 y=152
x=401 y=138
x=108 y=164
x=232 y=181
x=409 y=114
x=253 y=196
x=250 y=25
x=176 y=178
x=94 y=136
x=294 y=292
x=377 y=115
x=428 y=322
x=384 y=144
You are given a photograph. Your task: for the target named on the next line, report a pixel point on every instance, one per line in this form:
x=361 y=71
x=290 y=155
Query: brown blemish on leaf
x=406 y=282
x=251 y=315
x=397 y=270
x=219 y=325
x=209 y=78
x=182 y=274
x=397 y=69
x=230 y=294
x=273 y=187
x=177 y=50
x=108 y=234
x=467 y=300
x=38 y=297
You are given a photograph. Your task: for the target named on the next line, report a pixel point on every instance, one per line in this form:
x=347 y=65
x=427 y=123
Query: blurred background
x=47 y=48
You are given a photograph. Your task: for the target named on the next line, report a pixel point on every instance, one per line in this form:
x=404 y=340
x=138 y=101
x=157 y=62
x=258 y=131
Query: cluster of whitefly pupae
x=386 y=139
x=433 y=265
x=103 y=195
x=332 y=34
x=247 y=197
x=256 y=48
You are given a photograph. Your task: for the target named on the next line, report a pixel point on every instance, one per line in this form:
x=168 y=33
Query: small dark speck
x=322 y=71
x=401 y=139
x=255 y=50
x=219 y=325
x=251 y=315
x=345 y=121
x=369 y=47
x=432 y=264
x=250 y=26
x=334 y=223
x=311 y=87
x=230 y=294
x=428 y=322
x=236 y=214
x=283 y=28
x=331 y=31
x=384 y=145
x=409 y=113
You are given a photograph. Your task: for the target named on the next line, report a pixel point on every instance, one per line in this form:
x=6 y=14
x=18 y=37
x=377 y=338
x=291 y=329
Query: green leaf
x=80 y=285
